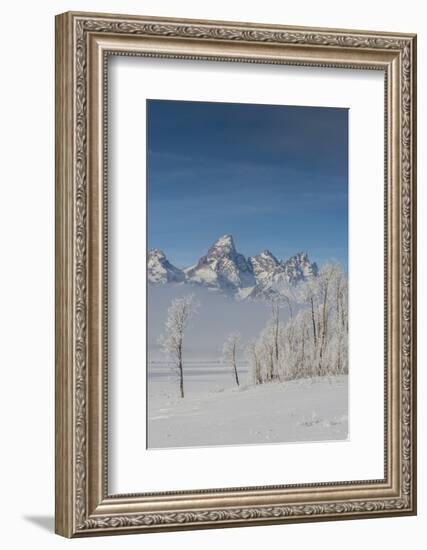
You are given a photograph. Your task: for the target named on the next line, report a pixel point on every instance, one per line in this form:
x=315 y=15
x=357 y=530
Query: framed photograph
x=235 y=274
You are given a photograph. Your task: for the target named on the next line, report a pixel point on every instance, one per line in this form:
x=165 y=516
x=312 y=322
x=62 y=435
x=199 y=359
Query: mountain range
x=226 y=270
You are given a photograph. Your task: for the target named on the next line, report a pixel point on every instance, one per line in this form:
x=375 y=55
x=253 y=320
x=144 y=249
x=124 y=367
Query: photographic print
x=247 y=274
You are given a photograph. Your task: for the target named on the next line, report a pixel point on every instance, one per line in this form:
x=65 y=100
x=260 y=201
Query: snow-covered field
x=215 y=411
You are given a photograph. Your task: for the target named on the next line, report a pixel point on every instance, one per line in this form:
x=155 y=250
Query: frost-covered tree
x=276 y=303
x=267 y=344
x=230 y=350
x=253 y=355
x=178 y=318
x=282 y=296
x=296 y=347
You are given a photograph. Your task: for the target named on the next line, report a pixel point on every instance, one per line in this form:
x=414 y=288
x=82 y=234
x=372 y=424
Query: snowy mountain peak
x=160 y=270
x=263 y=263
x=273 y=275
x=223 y=267
x=156 y=253
x=225 y=243
x=299 y=268
x=222 y=247
x=267 y=254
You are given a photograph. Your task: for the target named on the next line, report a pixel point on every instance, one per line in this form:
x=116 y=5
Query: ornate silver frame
x=83 y=505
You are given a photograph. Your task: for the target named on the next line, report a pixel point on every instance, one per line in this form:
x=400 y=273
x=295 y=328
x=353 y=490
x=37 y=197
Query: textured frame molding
x=83 y=42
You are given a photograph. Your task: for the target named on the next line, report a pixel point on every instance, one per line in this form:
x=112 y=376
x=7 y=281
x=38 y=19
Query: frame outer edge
x=233 y=24
x=64 y=391
x=414 y=271
x=415 y=290
x=72 y=514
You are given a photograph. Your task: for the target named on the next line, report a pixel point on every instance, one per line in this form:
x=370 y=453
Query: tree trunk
x=324 y=327
x=271 y=365
x=181 y=371
x=325 y=318
x=258 y=370
x=314 y=322
x=314 y=328
x=275 y=315
x=235 y=366
x=236 y=375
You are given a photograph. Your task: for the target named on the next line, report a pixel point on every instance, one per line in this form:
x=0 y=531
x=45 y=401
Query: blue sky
x=274 y=177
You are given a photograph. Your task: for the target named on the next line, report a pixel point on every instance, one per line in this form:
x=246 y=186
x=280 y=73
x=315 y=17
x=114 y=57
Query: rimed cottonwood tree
x=178 y=318
x=230 y=350
x=277 y=301
x=253 y=355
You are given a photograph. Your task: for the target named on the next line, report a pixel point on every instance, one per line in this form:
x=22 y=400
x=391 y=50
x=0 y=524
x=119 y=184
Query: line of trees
x=230 y=351
x=313 y=341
